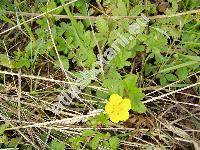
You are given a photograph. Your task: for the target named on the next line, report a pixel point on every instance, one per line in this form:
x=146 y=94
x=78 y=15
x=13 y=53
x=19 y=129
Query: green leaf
x=88 y=133
x=4 y=139
x=64 y=61
x=3 y=128
x=120 y=60
x=139 y=107
x=6 y=19
x=76 y=141
x=95 y=142
x=102 y=25
x=114 y=143
x=62 y=44
x=105 y=144
x=50 y=6
x=136 y=10
x=189 y=63
x=13 y=143
x=85 y=56
x=182 y=73
x=28 y=29
x=170 y=77
x=174 y=7
x=120 y=9
x=102 y=95
x=23 y=62
x=134 y=93
x=113 y=82
x=163 y=80
x=192 y=58
x=56 y=145
x=6 y=61
x=130 y=80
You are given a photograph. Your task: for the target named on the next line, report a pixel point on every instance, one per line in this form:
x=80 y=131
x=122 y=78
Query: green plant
x=94 y=139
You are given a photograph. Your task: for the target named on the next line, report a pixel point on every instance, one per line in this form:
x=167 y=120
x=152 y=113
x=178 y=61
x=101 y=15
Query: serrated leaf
x=95 y=142
x=3 y=128
x=120 y=9
x=136 y=10
x=189 y=63
x=88 y=133
x=56 y=145
x=163 y=80
x=65 y=62
x=50 y=6
x=139 y=107
x=114 y=143
x=6 y=61
x=102 y=26
x=114 y=82
x=13 y=142
x=130 y=81
x=170 y=77
x=134 y=93
x=182 y=73
x=120 y=60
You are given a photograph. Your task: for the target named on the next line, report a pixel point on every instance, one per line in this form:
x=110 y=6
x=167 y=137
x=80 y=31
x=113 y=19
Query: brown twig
x=105 y=17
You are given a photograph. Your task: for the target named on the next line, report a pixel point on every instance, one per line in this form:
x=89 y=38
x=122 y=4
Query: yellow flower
x=117 y=108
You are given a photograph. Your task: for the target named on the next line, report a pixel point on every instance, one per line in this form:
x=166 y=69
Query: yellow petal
x=109 y=108
x=123 y=116
x=114 y=118
x=115 y=99
x=126 y=104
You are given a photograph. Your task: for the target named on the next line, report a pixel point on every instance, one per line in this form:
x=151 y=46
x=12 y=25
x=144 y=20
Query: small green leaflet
x=114 y=82
x=134 y=93
x=56 y=145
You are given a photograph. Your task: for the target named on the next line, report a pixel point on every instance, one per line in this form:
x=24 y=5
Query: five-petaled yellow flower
x=117 y=108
